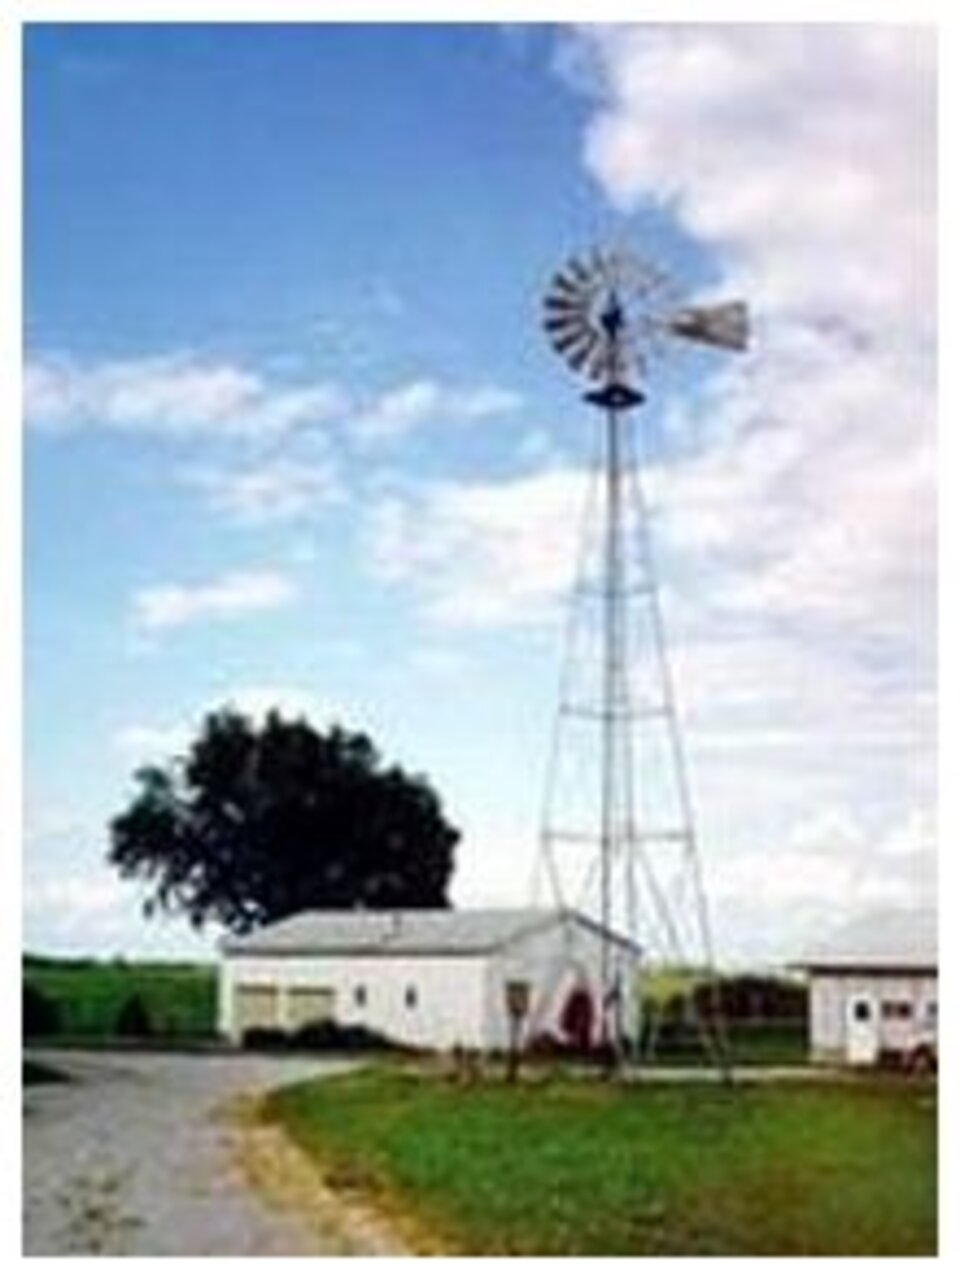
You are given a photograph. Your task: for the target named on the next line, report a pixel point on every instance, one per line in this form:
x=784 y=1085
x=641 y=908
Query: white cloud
x=805 y=155
x=801 y=483
x=267 y=492
x=915 y=836
x=77 y=895
x=403 y=408
x=481 y=554
x=797 y=495
x=256 y=700
x=176 y=395
x=158 y=608
x=827 y=870
x=85 y=908
x=50 y=823
x=140 y=742
x=805 y=151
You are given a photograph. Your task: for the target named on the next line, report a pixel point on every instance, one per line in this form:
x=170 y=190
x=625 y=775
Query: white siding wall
x=831 y=993
x=450 y=992
x=827 y=1017
x=552 y=960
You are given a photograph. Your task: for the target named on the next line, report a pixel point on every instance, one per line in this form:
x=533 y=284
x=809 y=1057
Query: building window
x=410 y=997
x=360 y=996
x=896 y=1010
x=861 y=1010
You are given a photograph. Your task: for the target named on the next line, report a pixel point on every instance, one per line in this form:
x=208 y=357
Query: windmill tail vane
x=726 y=326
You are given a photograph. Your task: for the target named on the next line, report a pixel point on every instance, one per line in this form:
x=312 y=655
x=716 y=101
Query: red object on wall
x=577 y=1018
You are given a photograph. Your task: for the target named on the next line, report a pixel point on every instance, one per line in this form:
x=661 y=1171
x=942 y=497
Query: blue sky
x=293 y=435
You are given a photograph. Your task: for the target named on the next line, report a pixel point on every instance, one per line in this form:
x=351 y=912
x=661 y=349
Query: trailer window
x=896 y=1010
x=861 y=1010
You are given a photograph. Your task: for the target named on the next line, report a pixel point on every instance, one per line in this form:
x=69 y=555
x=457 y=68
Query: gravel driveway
x=138 y=1156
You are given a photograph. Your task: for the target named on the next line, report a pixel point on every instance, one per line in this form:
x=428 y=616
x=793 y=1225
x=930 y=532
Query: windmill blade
x=559 y=298
x=560 y=307
x=559 y=323
x=574 y=342
x=726 y=325
x=564 y=340
x=599 y=363
x=581 y=354
x=582 y=274
x=567 y=342
x=560 y=283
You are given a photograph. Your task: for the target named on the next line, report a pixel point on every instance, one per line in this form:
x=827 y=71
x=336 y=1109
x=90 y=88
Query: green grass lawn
x=180 y=998
x=587 y=1168
x=779 y=1044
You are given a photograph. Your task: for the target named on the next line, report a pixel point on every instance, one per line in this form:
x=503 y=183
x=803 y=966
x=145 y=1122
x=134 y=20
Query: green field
x=586 y=1168
x=180 y=998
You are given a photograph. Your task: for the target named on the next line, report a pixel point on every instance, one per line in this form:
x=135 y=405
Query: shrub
x=749 y=997
x=133 y=1018
x=328 y=1036
x=38 y=1072
x=41 y=1013
x=265 y=1038
x=546 y=1044
x=316 y=1036
x=319 y=1035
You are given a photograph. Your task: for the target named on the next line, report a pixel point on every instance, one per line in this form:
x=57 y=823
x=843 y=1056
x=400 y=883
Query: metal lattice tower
x=618 y=835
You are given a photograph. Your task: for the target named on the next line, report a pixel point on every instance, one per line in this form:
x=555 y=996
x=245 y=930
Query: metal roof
x=893 y=939
x=407 y=932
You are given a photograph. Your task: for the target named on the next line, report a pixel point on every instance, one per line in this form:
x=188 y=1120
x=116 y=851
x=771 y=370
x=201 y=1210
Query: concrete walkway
x=740 y=1074
x=143 y=1154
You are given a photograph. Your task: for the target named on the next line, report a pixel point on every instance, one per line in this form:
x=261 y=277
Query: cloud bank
x=177 y=395
x=169 y=606
x=795 y=492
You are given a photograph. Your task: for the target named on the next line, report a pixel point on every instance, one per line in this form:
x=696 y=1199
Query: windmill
x=617 y=835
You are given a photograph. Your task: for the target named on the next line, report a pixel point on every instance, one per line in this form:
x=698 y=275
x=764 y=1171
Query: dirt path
x=159 y=1154
x=283 y=1176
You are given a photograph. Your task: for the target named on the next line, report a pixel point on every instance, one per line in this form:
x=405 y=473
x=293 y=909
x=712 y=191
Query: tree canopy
x=258 y=821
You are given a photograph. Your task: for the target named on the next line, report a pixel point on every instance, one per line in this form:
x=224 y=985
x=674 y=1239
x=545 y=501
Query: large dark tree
x=257 y=821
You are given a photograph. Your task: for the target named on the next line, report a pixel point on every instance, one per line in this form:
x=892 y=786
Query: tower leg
x=617 y=704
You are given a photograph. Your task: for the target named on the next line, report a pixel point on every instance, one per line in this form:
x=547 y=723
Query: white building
x=428 y=978
x=873 y=990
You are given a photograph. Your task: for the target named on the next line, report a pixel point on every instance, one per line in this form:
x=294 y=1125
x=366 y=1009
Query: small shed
x=426 y=978
x=873 y=990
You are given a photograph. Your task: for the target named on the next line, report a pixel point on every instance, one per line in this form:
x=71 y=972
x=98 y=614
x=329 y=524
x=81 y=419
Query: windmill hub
x=611 y=318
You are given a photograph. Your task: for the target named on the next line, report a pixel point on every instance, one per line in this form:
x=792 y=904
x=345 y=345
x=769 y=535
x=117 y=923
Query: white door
x=863 y=1029
x=255 y=1004
x=307 y=1005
